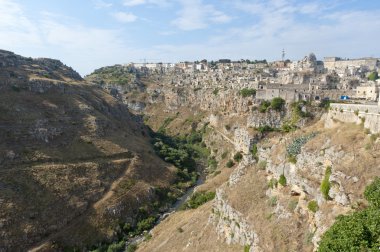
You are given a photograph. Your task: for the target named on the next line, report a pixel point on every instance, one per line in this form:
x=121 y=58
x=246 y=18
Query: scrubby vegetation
x=272 y=183
x=238 y=156
x=282 y=180
x=313 y=206
x=325 y=185
x=359 y=231
x=198 y=199
x=254 y=151
x=264 y=106
x=265 y=128
x=245 y=92
x=277 y=103
x=230 y=163
x=295 y=147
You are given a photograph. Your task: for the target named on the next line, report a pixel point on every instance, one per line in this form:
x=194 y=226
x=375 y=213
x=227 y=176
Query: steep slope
x=74 y=163
x=290 y=185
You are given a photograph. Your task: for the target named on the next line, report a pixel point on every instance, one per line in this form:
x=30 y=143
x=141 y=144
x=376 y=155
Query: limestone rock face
x=231 y=225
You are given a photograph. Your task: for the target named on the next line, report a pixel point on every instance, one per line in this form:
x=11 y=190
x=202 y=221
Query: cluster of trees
x=276 y=103
x=197 y=199
x=245 y=92
x=359 y=231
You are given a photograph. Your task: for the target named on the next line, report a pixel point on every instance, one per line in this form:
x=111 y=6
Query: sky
x=88 y=34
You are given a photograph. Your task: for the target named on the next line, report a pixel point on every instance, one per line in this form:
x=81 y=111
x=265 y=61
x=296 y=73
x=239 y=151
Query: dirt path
x=47 y=242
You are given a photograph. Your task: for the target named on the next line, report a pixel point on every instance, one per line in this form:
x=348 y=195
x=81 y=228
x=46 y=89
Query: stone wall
x=368 y=115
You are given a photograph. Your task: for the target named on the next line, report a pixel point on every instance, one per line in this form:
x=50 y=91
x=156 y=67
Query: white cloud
x=134 y=2
x=142 y=2
x=124 y=17
x=196 y=15
x=15 y=28
x=100 y=4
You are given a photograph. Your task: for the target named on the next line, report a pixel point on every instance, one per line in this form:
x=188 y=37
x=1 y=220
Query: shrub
x=216 y=91
x=372 y=193
x=254 y=150
x=356 y=112
x=277 y=103
x=265 y=128
x=224 y=154
x=373 y=76
x=179 y=229
x=228 y=127
x=116 y=247
x=146 y=224
x=264 y=106
x=282 y=180
x=262 y=164
x=198 y=199
x=132 y=248
x=313 y=206
x=292 y=159
x=356 y=232
x=247 y=248
x=245 y=92
x=212 y=163
x=230 y=163
x=325 y=185
x=238 y=157
x=272 y=183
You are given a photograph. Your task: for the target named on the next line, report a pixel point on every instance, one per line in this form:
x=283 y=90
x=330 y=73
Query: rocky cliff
x=74 y=162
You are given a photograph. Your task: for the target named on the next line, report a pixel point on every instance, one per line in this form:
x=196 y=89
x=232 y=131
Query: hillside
x=297 y=171
x=75 y=164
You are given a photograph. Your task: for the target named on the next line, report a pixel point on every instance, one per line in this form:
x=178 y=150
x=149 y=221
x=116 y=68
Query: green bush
x=265 y=128
x=216 y=91
x=292 y=159
x=132 y=248
x=325 y=185
x=282 y=180
x=230 y=163
x=373 y=76
x=198 y=199
x=238 y=157
x=146 y=224
x=247 y=248
x=313 y=206
x=245 y=92
x=264 y=106
x=224 y=154
x=254 y=150
x=359 y=231
x=212 y=163
x=272 y=183
x=116 y=247
x=277 y=103
x=372 y=193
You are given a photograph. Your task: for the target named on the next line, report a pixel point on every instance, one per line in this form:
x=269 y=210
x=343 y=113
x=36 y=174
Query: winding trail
x=45 y=243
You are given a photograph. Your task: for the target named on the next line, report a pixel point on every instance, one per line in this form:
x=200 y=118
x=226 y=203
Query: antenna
x=145 y=60
x=283 y=54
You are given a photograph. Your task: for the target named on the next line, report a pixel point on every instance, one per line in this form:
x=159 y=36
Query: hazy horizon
x=90 y=34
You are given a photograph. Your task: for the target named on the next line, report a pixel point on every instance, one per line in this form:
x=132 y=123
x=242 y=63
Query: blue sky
x=88 y=34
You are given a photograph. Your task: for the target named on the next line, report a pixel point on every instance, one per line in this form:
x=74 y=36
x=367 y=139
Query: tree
x=373 y=76
x=277 y=103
